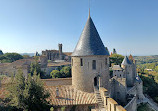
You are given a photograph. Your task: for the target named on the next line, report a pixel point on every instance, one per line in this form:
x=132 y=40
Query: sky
x=129 y=26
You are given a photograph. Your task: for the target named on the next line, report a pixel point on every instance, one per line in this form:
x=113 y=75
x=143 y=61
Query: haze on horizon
x=28 y=26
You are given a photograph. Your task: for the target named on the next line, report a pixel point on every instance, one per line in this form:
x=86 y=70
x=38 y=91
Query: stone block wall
x=57 y=81
x=109 y=103
x=83 y=76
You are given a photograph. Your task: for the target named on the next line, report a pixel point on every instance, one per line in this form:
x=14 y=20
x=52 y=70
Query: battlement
x=109 y=103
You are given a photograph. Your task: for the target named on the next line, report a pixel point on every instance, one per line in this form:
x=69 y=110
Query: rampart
x=57 y=81
x=109 y=103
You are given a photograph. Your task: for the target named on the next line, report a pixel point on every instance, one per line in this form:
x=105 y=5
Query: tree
x=13 y=56
x=66 y=71
x=28 y=94
x=35 y=67
x=10 y=57
x=116 y=59
x=55 y=74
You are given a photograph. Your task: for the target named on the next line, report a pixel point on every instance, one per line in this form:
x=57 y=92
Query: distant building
x=114 y=51
x=57 y=54
x=10 y=69
x=148 y=69
x=36 y=54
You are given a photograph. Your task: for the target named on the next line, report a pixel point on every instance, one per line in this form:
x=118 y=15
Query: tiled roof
x=70 y=96
x=116 y=67
x=58 y=64
x=90 y=42
x=67 y=53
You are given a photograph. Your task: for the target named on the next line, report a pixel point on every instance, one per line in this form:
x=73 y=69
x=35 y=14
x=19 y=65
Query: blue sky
x=130 y=26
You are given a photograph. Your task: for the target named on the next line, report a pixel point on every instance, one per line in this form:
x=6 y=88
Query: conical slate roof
x=90 y=42
x=126 y=61
x=1 y=53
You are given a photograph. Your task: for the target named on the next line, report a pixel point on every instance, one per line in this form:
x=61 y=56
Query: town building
x=57 y=54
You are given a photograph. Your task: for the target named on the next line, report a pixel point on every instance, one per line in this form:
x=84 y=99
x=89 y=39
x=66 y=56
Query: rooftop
x=90 y=42
x=116 y=67
x=70 y=96
x=58 y=64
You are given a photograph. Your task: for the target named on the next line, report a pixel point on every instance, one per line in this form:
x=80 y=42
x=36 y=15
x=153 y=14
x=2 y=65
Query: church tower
x=90 y=66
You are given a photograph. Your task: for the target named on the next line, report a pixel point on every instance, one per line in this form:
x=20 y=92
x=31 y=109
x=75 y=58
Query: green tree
x=116 y=59
x=35 y=67
x=28 y=94
x=10 y=57
x=56 y=74
x=13 y=56
x=66 y=71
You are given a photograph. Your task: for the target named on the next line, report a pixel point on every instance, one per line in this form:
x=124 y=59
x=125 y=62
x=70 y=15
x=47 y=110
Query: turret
x=114 y=51
x=90 y=58
x=139 y=85
x=60 y=51
x=128 y=70
x=36 y=54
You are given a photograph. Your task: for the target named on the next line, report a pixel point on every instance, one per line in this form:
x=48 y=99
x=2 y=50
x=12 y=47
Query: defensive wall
x=109 y=103
x=57 y=81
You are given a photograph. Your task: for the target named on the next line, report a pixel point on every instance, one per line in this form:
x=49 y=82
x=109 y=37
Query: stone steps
x=99 y=99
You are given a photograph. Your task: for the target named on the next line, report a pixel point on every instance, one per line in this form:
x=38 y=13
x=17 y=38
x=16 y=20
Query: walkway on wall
x=99 y=99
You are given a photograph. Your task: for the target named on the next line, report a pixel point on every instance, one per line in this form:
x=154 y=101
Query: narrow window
x=94 y=64
x=72 y=62
x=81 y=62
x=101 y=65
x=88 y=65
x=105 y=61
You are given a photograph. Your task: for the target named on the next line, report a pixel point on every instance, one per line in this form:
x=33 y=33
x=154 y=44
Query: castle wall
x=83 y=76
x=58 y=81
x=109 y=103
x=139 y=91
x=120 y=90
x=118 y=73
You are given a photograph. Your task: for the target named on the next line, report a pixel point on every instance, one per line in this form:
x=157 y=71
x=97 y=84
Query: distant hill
x=30 y=54
x=146 y=59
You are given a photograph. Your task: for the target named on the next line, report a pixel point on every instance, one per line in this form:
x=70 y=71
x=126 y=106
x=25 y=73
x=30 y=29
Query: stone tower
x=127 y=66
x=139 y=84
x=60 y=51
x=90 y=66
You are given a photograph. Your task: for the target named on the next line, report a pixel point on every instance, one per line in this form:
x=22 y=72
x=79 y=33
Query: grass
x=144 y=107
